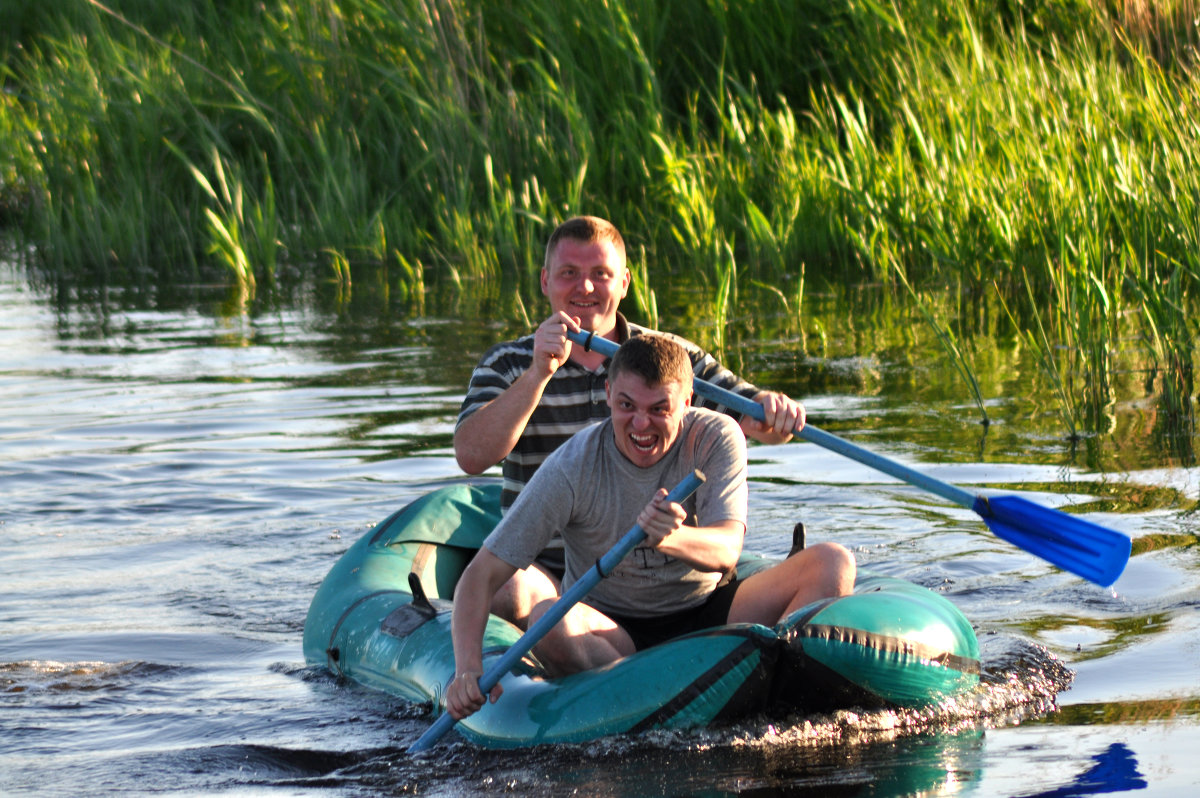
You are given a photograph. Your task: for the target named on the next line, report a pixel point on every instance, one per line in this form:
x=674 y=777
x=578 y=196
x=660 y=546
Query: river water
x=176 y=482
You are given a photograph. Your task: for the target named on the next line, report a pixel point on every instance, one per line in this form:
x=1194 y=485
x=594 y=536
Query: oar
x=569 y=599
x=1074 y=544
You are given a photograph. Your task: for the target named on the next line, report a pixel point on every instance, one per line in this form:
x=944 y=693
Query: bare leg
x=519 y=595
x=585 y=638
x=821 y=571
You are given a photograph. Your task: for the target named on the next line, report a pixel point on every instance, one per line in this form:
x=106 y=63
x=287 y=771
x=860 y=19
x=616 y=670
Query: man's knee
x=557 y=650
x=836 y=565
x=820 y=570
x=504 y=602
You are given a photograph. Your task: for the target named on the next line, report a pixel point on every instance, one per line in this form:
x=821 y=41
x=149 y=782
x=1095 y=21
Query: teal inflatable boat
x=382 y=618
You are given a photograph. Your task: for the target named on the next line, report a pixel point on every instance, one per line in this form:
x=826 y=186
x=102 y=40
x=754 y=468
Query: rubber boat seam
x=885 y=643
x=697 y=687
x=346 y=614
x=386 y=525
x=803 y=620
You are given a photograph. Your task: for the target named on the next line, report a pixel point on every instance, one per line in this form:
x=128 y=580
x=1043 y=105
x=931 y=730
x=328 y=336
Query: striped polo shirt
x=573 y=399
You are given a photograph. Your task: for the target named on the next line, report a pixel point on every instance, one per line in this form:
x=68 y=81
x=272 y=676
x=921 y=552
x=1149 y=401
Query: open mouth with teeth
x=643 y=443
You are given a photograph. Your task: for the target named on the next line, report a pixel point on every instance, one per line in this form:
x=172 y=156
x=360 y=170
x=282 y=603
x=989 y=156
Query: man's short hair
x=655 y=358
x=587 y=229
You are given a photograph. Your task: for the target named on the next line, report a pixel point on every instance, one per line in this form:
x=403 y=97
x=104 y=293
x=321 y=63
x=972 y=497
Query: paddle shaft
x=1075 y=544
x=572 y=596
x=808 y=432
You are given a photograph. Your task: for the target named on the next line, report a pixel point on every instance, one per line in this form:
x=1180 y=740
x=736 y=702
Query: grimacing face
x=646 y=419
x=587 y=280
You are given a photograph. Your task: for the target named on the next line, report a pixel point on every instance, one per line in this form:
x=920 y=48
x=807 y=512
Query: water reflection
x=1116 y=770
x=176 y=471
x=697 y=764
x=853 y=341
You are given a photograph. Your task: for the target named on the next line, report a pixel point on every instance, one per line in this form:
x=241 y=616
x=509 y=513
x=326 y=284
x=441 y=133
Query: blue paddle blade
x=1096 y=553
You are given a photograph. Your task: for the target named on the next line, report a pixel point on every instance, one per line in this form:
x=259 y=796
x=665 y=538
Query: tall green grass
x=1042 y=152
x=1054 y=172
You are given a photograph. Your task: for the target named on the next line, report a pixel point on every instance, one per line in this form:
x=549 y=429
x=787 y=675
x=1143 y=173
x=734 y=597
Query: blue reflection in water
x=1115 y=771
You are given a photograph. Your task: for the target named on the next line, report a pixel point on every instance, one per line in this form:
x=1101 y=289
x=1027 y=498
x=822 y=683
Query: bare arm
x=487 y=436
x=472 y=597
x=712 y=548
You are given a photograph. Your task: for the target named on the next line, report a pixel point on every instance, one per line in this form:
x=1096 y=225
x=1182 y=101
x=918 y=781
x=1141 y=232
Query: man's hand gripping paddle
x=569 y=599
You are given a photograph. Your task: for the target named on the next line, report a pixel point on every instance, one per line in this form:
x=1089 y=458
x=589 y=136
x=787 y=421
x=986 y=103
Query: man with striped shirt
x=529 y=396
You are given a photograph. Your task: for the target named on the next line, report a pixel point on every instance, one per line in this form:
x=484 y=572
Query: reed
x=644 y=296
x=950 y=345
x=245 y=241
x=1044 y=152
x=1014 y=163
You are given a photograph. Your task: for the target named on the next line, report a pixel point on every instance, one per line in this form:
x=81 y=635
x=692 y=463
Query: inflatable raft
x=381 y=618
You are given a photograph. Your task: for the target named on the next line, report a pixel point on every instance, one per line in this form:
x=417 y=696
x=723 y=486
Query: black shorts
x=648 y=632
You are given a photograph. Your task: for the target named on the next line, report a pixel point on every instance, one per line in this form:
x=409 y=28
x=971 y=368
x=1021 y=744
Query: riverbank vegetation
x=1018 y=168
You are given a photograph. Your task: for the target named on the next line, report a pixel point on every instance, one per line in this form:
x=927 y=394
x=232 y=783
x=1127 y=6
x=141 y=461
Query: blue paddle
x=569 y=599
x=1074 y=544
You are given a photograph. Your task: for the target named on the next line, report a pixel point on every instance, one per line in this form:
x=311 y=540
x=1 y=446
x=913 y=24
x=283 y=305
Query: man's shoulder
x=711 y=438
x=710 y=418
x=585 y=441
x=509 y=358
x=516 y=347
x=704 y=424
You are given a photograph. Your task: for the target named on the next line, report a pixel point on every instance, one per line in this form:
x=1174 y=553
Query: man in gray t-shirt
x=595 y=492
x=594 y=488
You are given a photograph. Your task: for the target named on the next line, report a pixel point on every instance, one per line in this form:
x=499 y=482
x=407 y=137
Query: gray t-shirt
x=592 y=495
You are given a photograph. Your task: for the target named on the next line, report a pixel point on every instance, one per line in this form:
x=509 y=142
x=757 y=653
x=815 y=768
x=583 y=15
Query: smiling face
x=586 y=280
x=646 y=418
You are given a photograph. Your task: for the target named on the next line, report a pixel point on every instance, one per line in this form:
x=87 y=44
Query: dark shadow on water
x=673 y=766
